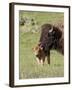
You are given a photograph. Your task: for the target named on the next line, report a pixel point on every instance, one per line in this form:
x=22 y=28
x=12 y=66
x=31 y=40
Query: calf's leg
x=43 y=60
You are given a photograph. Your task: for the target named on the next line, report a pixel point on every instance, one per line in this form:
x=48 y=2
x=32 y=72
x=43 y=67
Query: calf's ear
x=36 y=47
x=33 y=48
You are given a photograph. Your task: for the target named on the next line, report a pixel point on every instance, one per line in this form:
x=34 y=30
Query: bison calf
x=51 y=38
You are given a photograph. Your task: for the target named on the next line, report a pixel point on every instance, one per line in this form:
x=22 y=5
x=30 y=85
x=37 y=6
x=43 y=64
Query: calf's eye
x=37 y=55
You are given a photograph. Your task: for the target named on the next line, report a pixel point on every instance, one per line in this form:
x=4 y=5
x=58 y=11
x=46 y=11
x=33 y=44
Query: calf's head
x=39 y=53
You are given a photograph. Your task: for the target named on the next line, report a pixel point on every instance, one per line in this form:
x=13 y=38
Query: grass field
x=28 y=67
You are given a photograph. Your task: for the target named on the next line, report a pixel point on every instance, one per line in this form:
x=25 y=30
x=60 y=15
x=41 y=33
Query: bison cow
x=52 y=37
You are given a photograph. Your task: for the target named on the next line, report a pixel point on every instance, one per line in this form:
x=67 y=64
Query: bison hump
x=46 y=26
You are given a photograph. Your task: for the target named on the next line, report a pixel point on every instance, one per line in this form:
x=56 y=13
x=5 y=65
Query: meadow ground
x=28 y=67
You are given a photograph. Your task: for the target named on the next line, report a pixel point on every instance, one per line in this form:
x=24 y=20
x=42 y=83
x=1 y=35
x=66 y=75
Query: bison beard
x=51 y=38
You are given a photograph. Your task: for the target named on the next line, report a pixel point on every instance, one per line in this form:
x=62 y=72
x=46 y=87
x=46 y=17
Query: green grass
x=28 y=67
x=43 y=17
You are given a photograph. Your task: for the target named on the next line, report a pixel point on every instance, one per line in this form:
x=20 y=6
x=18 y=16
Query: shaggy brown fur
x=51 y=38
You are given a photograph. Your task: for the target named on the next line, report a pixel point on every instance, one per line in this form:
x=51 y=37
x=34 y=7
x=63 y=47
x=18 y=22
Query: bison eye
x=49 y=34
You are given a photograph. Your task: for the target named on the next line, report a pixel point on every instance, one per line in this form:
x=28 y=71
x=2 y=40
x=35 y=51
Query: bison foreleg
x=48 y=57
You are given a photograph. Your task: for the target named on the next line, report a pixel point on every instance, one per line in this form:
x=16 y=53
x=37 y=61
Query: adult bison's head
x=50 y=36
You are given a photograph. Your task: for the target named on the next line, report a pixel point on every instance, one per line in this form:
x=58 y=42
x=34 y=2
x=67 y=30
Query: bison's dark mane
x=53 y=40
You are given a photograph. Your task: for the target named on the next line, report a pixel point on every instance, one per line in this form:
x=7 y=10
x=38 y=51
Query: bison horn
x=51 y=30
